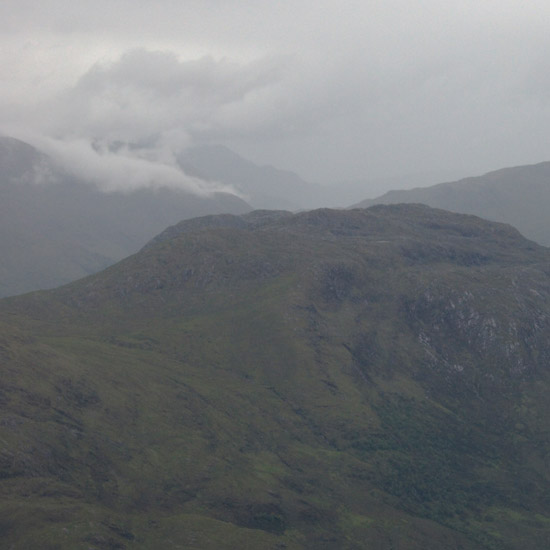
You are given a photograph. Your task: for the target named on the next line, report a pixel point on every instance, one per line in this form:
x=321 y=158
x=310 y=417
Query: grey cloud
x=146 y=93
x=156 y=105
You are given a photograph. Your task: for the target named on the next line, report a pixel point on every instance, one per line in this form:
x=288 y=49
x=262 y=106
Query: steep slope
x=332 y=379
x=55 y=229
x=519 y=196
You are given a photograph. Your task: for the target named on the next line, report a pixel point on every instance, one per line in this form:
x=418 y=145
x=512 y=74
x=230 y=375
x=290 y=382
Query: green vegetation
x=361 y=379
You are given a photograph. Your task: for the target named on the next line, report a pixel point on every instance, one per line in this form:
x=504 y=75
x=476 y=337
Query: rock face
x=332 y=379
x=519 y=196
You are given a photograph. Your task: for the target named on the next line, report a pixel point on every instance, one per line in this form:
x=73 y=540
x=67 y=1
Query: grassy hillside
x=332 y=379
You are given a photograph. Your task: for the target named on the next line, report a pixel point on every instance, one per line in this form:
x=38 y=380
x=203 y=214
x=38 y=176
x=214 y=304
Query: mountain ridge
x=329 y=379
x=264 y=187
x=518 y=195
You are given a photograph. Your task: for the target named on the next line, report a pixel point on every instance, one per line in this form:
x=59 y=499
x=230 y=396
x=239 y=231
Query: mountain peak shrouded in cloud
x=122 y=169
x=21 y=162
x=124 y=122
x=56 y=226
x=365 y=91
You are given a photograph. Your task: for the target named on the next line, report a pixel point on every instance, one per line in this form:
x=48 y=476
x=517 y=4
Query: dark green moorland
x=364 y=379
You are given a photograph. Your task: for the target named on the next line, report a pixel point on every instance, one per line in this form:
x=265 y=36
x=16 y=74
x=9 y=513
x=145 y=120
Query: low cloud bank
x=123 y=124
x=120 y=169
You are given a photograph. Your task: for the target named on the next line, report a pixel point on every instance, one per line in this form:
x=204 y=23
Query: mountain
x=519 y=196
x=340 y=194
x=55 y=228
x=273 y=188
x=331 y=379
x=263 y=186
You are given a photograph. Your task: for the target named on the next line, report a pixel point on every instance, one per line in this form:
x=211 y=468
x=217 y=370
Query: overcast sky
x=332 y=90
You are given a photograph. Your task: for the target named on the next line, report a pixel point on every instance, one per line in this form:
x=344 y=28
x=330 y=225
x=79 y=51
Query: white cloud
x=123 y=122
x=118 y=170
x=146 y=93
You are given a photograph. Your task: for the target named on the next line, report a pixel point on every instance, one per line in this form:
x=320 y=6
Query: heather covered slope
x=519 y=196
x=332 y=379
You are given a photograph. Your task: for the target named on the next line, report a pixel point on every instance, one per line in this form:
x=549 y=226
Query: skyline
x=335 y=93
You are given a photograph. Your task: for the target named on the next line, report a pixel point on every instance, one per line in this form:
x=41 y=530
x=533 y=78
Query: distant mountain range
x=56 y=231
x=267 y=187
x=262 y=186
x=55 y=228
x=519 y=196
x=343 y=379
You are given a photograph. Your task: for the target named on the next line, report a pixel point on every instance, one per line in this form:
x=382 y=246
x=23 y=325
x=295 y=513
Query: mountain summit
x=331 y=379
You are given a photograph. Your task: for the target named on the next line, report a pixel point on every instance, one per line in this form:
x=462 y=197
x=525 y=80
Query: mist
x=367 y=91
x=118 y=170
